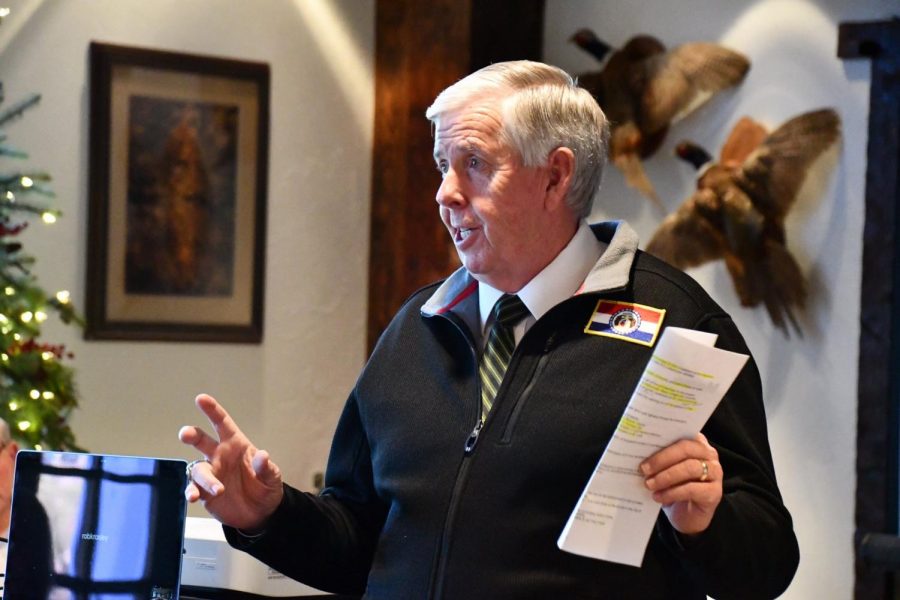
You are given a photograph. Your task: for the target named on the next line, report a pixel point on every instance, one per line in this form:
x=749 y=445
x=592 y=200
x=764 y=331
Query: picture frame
x=178 y=169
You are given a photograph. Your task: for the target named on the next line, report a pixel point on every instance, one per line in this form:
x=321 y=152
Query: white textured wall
x=287 y=393
x=810 y=383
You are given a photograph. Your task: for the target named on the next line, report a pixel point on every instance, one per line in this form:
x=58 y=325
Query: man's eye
x=474 y=163
x=442 y=168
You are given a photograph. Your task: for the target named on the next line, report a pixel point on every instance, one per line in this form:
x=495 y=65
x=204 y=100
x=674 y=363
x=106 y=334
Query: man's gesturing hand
x=237 y=483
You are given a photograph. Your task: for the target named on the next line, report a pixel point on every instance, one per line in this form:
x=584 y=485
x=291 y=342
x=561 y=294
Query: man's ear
x=561 y=170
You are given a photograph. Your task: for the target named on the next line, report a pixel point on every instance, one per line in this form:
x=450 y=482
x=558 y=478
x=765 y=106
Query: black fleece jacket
x=408 y=513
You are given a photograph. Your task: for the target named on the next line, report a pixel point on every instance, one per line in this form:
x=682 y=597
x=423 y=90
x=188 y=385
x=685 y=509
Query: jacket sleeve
x=749 y=549
x=326 y=541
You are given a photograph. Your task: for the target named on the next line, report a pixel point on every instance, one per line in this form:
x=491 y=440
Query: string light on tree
x=37 y=389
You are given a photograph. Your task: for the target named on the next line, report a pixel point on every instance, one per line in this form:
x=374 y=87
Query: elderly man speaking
x=482 y=411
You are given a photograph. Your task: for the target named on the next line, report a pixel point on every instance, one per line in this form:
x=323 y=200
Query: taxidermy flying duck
x=643 y=89
x=737 y=213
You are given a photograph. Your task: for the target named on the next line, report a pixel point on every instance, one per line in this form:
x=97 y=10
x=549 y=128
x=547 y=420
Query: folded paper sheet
x=682 y=384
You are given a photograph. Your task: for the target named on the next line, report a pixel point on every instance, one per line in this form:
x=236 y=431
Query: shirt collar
x=558 y=281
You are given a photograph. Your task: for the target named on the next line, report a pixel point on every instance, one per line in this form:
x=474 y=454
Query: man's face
x=491 y=204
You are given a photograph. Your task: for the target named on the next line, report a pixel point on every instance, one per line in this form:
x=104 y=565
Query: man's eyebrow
x=465 y=146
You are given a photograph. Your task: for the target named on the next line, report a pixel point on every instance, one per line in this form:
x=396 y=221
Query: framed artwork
x=177 y=198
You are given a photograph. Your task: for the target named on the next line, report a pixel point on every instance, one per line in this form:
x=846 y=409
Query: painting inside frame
x=178 y=170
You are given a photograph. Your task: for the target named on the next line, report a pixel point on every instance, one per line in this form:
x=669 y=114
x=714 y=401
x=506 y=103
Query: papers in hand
x=682 y=384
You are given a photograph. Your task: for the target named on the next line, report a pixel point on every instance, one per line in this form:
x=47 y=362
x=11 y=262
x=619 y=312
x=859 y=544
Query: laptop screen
x=95 y=527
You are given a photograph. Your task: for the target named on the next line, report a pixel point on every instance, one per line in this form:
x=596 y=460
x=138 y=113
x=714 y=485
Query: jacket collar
x=613 y=270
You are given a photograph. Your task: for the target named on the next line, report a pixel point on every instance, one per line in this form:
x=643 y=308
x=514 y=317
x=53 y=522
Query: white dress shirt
x=558 y=281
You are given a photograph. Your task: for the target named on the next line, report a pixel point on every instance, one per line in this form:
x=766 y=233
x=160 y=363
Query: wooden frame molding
x=879 y=343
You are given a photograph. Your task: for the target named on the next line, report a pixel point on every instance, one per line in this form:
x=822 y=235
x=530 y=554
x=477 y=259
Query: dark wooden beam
x=421 y=48
x=500 y=32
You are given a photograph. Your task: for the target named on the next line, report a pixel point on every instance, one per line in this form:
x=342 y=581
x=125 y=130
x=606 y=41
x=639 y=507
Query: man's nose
x=450 y=192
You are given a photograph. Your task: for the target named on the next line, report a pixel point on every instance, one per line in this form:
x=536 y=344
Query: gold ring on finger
x=705 y=474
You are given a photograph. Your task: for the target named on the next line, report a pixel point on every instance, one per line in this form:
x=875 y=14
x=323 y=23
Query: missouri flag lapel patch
x=626 y=321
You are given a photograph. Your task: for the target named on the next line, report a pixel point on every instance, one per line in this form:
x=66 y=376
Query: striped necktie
x=508 y=311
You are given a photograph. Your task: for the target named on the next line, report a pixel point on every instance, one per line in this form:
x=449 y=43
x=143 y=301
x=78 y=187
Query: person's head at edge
x=521 y=150
x=8 y=451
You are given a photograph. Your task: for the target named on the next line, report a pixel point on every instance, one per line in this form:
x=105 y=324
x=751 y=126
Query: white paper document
x=682 y=384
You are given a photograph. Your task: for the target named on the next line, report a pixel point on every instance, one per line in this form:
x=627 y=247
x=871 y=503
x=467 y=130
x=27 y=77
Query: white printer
x=213 y=569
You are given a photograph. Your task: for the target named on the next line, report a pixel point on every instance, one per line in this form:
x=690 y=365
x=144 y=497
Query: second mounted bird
x=737 y=213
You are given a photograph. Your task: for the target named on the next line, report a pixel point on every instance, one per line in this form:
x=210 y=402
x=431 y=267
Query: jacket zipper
x=473 y=438
x=440 y=560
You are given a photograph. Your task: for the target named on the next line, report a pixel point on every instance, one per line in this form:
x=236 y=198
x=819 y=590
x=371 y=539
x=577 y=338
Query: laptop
x=95 y=527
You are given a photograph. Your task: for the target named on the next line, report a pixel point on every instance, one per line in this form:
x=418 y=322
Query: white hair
x=542 y=109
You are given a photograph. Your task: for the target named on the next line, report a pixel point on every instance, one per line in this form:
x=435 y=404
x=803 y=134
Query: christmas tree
x=37 y=392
